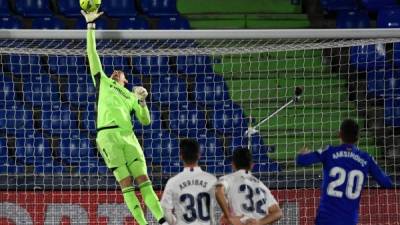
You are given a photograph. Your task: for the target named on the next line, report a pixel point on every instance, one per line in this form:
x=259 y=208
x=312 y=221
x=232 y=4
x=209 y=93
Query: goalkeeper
x=115 y=139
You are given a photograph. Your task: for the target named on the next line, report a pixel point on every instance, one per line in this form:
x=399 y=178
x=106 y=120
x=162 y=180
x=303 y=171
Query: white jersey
x=190 y=196
x=247 y=195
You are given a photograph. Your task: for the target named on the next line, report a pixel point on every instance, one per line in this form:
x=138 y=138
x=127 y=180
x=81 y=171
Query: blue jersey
x=345 y=170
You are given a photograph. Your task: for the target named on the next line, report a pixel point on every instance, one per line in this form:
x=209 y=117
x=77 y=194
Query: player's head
x=349 y=131
x=242 y=159
x=119 y=76
x=189 y=151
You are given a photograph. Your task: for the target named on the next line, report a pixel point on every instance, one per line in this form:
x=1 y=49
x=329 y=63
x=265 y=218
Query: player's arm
x=306 y=158
x=377 y=173
x=274 y=214
x=223 y=203
x=140 y=106
x=167 y=204
x=94 y=59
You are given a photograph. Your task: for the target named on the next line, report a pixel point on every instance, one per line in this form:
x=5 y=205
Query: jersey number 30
x=355 y=179
x=201 y=201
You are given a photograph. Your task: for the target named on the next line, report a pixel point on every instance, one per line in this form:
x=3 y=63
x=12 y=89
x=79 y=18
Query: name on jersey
x=119 y=91
x=194 y=182
x=348 y=154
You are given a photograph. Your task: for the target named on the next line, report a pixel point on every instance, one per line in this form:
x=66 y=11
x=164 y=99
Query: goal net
x=207 y=85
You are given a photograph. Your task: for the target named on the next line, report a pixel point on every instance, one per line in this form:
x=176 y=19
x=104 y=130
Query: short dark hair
x=242 y=158
x=350 y=131
x=189 y=150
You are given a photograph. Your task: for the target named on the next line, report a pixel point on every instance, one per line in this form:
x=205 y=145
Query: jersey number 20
x=354 y=178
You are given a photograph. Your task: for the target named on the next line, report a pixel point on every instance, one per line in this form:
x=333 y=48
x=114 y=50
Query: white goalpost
x=291 y=88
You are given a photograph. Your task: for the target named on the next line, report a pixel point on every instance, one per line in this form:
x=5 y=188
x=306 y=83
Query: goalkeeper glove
x=140 y=93
x=91 y=17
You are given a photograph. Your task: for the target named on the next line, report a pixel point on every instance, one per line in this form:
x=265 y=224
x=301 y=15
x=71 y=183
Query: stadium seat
x=376 y=5
x=155 y=125
x=186 y=119
x=352 y=19
x=388 y=18
x=69 y=8
x=121 y=8
x=168 y=89
x=59 y=118
x=17 y=118
x=211 y=147
x=40 y=90
x=4 y=8
x=161 y=146
x=111 y=63
x=217 y=167
x=10 y=23
x=392 y=111
x=264 y=167
x=101 y=24
x=81 y=89
x=228 y=118
x=383 y=83
x=24 y=64
x=171 y=167
x=259 y=149
x=48 y=23
x=396 y=54
x=156 y=8
x=368 y=57
x=88 y=119
x=7 y=92
x=193 y=65
x=133 y=80
x=173 y=23
x=30 y=8
x=7 y=165
x=151 y=65
x=65 y=65
x=210 y=89
x=132 y=23
x=335 y=5
x=34 y=149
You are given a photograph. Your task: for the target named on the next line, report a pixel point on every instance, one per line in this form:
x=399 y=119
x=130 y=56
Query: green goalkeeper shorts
x=122 y=153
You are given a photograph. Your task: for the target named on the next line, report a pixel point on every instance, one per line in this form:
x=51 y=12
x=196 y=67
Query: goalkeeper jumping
x=115 y=138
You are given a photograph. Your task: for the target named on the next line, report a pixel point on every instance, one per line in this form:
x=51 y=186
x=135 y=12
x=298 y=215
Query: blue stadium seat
x=383 y=83
x=210 y=89
x=171 y=167
x=30 y=8
x=161 y=146
x=10 y=23
x=133 y=80
x=132 y=23
x=155 y=125
x=335 y=5
x=48 y=23
x=159 y=7
x=151 y=65
x=34 y=149
x=17 y=118
x=40 y=90
x=7 y=92
x=192 y=65
x=3 y=151
x=65 y=65
x=173 y=23
x=81 y=89
x=4 y=8
x=376 y=5
x=121 y=8
x=368 y=57
x=259 y=149
x=217 y=167
x=265 y=167
x=69 y=8
x=23 y=64
x=388 y=18
x=111 y=63
x=88 y=118
x=59 y=118
x=7 y=165
x=392 y=111
x=228 y=118
x=168 y=89
x=101 y=24
x=186 y=119
x=352 y=19
x=211 y=147
x=396 y=54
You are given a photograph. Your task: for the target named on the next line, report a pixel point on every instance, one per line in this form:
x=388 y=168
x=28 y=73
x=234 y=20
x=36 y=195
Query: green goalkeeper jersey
x=115 y=104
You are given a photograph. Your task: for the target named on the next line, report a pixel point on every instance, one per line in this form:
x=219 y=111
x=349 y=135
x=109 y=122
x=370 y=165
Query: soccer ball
x=90 y=5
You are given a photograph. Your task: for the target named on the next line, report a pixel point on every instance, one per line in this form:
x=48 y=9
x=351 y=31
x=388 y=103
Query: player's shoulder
x=227 y=177
x=325 y=149
x=209 y=176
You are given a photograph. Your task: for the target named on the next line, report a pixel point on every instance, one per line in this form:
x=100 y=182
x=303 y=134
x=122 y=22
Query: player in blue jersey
x=345 y=169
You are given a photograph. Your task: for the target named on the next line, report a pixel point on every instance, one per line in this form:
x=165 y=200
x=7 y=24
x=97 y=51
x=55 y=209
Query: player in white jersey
x=188 y=197
x=240 y=194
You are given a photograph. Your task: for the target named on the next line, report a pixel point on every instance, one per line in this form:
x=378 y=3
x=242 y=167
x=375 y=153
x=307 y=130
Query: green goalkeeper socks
x=133 y=205
x=151 y=200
